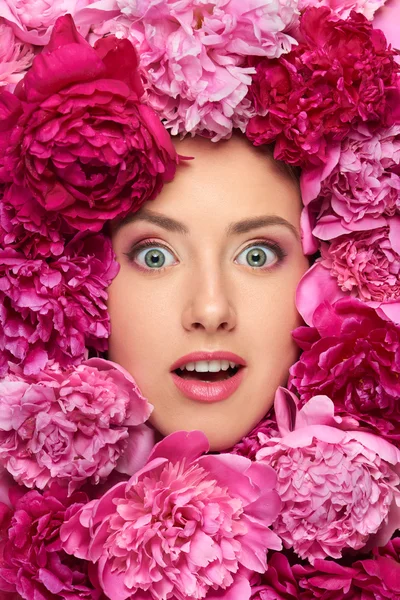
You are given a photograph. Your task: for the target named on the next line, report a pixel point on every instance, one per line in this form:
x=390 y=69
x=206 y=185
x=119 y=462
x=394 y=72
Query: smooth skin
x=205 y=284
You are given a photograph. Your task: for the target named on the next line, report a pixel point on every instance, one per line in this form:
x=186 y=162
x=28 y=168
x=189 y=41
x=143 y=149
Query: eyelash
x=275 y=247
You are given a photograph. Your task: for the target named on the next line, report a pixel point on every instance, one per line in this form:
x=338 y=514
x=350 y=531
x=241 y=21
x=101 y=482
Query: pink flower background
x=305 y=506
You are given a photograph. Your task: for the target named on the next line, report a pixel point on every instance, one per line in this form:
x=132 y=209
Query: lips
x=208 y=391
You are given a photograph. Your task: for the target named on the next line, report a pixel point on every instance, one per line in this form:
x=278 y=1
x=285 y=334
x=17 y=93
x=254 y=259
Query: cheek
x=143 y=322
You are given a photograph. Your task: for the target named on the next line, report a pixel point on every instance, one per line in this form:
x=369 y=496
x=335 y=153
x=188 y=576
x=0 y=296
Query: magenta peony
x=53 y=310
x=373 y=578
x=79 y=137
x=32 y=562
x=365 y=265
x=360 y=187
x=250 y=444
x=192 y=54
x=339 y=488
x=73 y=426
x=351 y=354
x=278 y=583
x=26 y=226
x=15 y=56
x=319 y=91
x=183 y=526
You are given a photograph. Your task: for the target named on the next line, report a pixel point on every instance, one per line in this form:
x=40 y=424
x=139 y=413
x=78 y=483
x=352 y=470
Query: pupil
x=154 y=258
x=257 y=258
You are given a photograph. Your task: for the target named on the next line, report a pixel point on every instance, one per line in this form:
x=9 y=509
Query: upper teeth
x=212 y=366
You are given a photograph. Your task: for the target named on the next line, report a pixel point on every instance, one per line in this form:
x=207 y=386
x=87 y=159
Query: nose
x=209 y=302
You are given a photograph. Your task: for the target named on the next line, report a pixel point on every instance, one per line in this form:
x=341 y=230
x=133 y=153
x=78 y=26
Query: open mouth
x=207 y=376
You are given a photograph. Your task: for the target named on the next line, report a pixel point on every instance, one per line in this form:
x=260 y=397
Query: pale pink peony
x=15 y=56
x=343 y=8
x=117 y=26
x=339 y=488
x=360 y=186
x=54 y=309
x=193 y=53
x=387 y=19
x=33 y=20
x=364 y=265
x=72 y=426
x=185 y=526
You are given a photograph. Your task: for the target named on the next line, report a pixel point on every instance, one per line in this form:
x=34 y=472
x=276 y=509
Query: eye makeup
x=273 y=246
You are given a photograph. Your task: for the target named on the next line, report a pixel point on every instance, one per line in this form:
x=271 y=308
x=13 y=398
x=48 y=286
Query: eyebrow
x=233 y=228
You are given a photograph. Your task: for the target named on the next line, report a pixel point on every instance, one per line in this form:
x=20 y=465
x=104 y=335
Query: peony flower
x=377 y=577
x=367 y=262
x=72 y=426
x=250 y=444
x=26 y=226
x=386 y=19
x=343 y=8
x=339 y=488
x=365 y=265
x=192 y=54
x=53 y=310
x=80 y=139
x=32 y=562
x=361 y=186
x=278 y=583
x=316 y=94
x=183 y=526
x=351 y=354
x=15 y=56
x=33 y=20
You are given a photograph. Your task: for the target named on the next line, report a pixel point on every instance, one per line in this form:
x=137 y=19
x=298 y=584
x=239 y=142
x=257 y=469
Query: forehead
x=227 y=181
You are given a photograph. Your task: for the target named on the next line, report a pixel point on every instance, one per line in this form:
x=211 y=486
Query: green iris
x=154 y=258
x=256 y=257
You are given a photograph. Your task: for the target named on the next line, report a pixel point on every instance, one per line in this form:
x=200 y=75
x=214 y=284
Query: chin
x=221 y=437
x=223 y=443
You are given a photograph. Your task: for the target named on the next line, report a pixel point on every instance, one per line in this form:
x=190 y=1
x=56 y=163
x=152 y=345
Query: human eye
x=150 y=255
x=261 y=255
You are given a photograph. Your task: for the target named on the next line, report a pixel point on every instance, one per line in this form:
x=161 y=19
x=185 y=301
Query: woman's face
x=210 y=267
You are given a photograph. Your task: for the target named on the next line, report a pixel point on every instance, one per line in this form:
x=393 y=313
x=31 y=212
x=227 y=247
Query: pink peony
x=192 y=54
x=15 y=56
x=365 y=265
x=373 y=578
x=318 y=92
x=339 y=488
x=361 y=186
x=53 y=310
x=343 y=8
x=250 y=444
x=32 y=562
x=351 y=354
x=79 y=137
x=72 y=426
x=183 y=526
x=33 y=20
x=26 y=226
